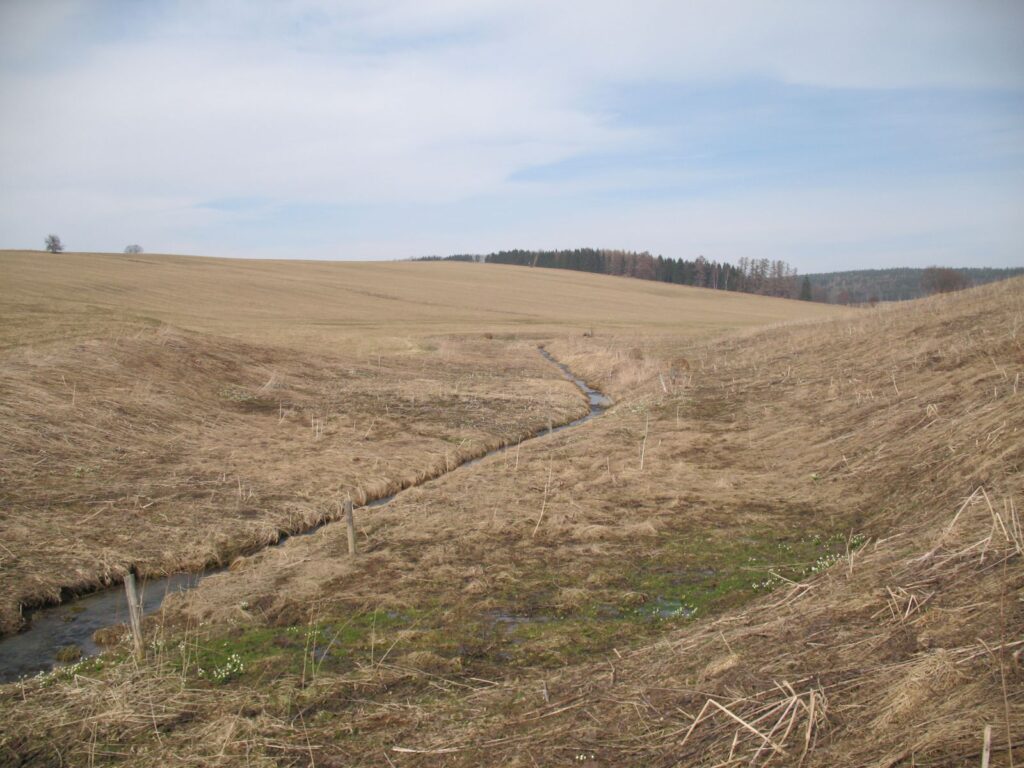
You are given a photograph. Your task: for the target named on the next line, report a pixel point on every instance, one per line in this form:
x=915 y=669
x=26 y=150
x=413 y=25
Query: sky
x=827 y=133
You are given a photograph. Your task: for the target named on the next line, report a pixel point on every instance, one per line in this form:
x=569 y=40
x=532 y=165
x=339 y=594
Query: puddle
x=511 y=622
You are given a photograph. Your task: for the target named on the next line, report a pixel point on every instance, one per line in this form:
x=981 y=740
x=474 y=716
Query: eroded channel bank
x=72 y=624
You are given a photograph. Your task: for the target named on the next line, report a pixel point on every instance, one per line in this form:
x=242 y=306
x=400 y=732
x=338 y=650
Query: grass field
x=170 y=412
x=366 y=306
x=792 y=545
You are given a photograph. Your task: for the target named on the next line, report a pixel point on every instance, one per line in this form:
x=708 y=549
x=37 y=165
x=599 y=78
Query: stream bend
x=72 y=623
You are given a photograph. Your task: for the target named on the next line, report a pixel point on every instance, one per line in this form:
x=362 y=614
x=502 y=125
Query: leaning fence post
x=134 y=613
x=351 y=526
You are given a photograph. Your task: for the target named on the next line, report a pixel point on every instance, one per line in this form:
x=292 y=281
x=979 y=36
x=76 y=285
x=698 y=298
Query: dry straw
x=900 y=423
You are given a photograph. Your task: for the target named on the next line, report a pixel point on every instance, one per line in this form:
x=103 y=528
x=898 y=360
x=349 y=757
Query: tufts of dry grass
x=174 y=450
x=476 y=626
x=175 y=412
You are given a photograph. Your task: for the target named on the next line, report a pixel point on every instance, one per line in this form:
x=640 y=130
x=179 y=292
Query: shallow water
x=74 y=622
x=51 y=628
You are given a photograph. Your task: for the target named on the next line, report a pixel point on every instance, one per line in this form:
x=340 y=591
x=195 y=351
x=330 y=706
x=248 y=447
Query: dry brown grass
x=363 y=307
x=171 y=451
x=902 y=423
x=279 y=389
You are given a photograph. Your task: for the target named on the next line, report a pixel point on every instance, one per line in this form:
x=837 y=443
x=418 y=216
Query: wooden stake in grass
x=543 y=504
x=986 y=746
x=134 y=614
x=643 y=446
x=350 y=525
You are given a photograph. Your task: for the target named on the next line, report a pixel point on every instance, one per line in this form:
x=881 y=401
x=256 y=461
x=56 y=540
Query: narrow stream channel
x=73 y=623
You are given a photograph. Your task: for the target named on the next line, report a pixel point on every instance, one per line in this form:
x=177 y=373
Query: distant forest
x=771 y=278
x=899 y=284
x=761 y=276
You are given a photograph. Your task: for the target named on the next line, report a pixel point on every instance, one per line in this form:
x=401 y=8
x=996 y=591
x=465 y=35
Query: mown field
x=793 y=540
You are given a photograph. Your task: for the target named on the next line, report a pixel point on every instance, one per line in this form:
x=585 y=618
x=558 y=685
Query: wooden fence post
x=351 y=526
x=134 y=614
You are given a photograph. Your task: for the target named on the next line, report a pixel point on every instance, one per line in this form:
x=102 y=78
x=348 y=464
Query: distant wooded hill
x=760 y=276
x=897 y=284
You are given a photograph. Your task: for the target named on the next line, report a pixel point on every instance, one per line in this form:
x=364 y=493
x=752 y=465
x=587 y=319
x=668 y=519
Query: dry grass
x=364 y=307
x=471 y=629
x=172 y=450
x=278 y=390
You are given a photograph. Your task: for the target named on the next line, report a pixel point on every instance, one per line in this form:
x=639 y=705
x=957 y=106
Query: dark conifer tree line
x=760 y=276
x=773 y=278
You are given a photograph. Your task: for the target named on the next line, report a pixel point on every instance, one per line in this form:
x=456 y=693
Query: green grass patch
x=710 y=573
x=688 y=578
x=331 y=644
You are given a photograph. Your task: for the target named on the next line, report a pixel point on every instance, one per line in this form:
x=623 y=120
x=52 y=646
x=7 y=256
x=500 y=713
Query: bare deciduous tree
x=133 y=248
x=53 y=244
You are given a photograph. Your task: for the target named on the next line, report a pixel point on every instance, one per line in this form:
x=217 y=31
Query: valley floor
x=798 y=545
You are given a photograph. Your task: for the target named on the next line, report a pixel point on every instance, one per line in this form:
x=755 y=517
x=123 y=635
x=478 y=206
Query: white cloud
x=203 y=119
x=129 y=116
x=817 y=228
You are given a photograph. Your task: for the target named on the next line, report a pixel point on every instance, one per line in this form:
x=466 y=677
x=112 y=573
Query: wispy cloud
x=385 y=129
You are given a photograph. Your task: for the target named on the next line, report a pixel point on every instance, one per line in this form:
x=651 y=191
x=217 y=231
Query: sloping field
x=312 y=303
x=170 y=412
x=794 y=546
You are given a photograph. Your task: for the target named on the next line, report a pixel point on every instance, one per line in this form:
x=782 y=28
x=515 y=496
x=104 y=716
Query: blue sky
x=834 y=135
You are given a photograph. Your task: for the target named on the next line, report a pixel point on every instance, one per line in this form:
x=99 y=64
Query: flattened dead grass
x=171 y=450
x=902 y=424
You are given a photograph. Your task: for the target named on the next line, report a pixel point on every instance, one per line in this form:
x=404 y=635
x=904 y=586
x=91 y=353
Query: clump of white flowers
x=823 y=563
x=767 y=584
x=232 y=667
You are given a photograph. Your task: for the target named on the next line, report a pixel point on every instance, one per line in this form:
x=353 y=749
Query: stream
x=72 y=623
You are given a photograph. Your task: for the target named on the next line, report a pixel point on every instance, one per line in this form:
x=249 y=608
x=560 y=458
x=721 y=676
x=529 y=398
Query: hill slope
x=603 y=597
x=169 y=412
x=308 y=303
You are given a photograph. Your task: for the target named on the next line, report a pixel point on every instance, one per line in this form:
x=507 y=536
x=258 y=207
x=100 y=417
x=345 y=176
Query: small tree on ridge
x=53 y=244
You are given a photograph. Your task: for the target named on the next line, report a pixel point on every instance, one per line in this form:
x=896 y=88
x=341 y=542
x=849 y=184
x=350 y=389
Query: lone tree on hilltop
x=133 y=248
x=53 y=244
x=943 y=280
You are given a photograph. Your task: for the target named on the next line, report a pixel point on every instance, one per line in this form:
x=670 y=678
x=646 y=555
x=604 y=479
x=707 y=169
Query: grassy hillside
x=795 y=546
x=170 y=412
x=367 y=304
